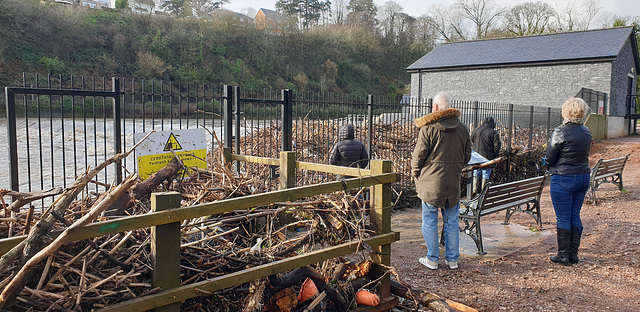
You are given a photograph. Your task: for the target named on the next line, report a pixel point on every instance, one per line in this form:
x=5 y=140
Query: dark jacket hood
x=489 y=122
x=346 y=132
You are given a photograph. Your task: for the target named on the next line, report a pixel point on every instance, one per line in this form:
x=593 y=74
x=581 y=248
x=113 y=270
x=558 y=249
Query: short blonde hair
x=574 y=108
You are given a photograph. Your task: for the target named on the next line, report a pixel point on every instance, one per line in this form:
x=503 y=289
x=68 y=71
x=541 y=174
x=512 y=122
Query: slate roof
x=271 y=14
x=603 y=44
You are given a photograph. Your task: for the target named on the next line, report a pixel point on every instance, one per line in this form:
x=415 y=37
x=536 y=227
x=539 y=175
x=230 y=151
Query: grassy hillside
x=72 y=40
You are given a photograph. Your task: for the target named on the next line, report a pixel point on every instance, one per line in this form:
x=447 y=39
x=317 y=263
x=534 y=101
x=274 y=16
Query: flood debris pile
x=43 y=273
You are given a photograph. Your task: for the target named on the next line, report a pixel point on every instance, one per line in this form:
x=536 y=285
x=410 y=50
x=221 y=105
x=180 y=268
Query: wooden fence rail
x=166 y=215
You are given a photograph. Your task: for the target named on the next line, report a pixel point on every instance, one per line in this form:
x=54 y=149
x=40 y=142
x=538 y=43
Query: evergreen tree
x=362 y=13
x=308 y=12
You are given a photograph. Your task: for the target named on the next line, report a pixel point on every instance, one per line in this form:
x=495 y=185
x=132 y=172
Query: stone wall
x=548 y=85
x=620 y=81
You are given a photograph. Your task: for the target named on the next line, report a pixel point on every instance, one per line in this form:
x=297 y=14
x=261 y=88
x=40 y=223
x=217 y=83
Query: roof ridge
x=540 y=35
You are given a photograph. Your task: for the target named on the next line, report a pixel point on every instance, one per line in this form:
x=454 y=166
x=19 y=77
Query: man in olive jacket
x=442 y=150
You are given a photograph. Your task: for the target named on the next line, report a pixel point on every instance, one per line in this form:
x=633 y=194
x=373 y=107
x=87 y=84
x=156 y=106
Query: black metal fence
x=59 y=127
x=596 y=100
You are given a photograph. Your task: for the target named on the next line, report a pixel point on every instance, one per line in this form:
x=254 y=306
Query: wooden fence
x=166 y=215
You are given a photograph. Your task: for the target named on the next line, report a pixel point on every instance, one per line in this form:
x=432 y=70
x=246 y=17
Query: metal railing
x=60 y=127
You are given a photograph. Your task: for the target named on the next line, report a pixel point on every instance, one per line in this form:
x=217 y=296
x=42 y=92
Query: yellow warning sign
x=172 y=144
x=149 y=164
x=159 y=148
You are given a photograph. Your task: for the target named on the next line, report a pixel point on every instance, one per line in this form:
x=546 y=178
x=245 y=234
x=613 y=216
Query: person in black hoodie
x=485 y=141
x=348 y=152
x=568 y=159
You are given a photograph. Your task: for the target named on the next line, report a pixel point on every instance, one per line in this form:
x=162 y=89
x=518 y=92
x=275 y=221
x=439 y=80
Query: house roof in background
x=271 y=13
x=553 y=48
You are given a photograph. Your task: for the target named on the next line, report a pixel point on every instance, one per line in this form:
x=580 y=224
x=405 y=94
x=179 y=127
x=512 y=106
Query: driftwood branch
x=144 y=188
x=19 y=280
x=25 y=198
x=484 y=164
x=35 y=241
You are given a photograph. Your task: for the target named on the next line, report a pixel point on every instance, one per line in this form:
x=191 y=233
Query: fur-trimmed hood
x=439 y=115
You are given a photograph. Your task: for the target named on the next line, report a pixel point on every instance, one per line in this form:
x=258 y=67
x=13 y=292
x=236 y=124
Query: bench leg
x=478 y=239
x=472 y=228
x=619 y=183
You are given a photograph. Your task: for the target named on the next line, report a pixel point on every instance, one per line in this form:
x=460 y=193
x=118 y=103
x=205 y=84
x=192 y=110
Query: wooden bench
x=606 y=171
x=512 y=197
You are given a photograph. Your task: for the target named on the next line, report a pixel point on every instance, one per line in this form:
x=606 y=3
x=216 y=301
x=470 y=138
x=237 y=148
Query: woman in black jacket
x=568 y=160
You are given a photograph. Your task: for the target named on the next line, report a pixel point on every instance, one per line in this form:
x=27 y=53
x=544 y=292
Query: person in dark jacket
x=486 y=141
x=442 y=150
x=348 y=152
x=568 y=159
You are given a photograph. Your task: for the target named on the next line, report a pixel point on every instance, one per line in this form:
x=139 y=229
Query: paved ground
x=499 y=240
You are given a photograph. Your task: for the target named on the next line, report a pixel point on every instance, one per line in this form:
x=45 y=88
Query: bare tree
x=449 y=22
x=484 y=14
x=388 y=18
x=529 y=18
x=201 y=8
x=405 y=28
x=340 y=11
x=425 y=34
x=572 y=17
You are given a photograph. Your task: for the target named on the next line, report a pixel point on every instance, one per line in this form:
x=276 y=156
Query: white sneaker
x=452 y=264
x=428 y=263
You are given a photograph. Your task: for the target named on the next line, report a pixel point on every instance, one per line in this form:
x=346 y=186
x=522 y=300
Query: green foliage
x=122 y=4
x=65 y=40
x=52 y=66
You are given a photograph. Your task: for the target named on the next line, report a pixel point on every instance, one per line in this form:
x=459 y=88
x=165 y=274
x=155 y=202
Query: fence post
x=287 y=170
x=226 y=156
x=12 y=132
x=530 y=128
x=165 y=248
x=370 y=123
x=235 y=99
x=509 y=138
x=381 y=220
x=548 y=120
x=117 y=127
x=475 y=115
x=287 y=120
x=228 y=116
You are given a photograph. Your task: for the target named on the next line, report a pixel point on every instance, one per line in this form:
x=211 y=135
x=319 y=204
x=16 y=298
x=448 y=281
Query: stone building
x=542 y=70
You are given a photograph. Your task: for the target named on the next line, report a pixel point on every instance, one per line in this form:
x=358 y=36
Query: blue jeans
x=450 y=228
x=485 y=172
x=567 y=195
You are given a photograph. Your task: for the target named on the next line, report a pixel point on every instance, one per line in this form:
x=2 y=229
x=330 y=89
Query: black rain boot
x=563 y=248
x=574 y=244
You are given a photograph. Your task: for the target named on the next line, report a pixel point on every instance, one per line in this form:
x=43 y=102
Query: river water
x=54 y=151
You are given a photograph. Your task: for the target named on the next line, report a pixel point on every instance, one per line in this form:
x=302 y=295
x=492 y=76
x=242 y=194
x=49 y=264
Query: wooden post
x=381 y=220
x=287 y=170
x=165 y=248
x=226 y=157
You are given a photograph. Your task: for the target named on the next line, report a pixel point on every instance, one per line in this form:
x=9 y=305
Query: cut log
x=432 y=301
x=144 y=188
x=297 y=276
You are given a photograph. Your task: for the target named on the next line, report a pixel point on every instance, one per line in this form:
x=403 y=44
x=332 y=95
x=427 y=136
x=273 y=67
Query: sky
x=419 y=7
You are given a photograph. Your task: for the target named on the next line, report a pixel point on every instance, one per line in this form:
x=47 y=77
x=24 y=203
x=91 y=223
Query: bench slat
x=493 y=192
x=505 y=206
x=510 y=200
